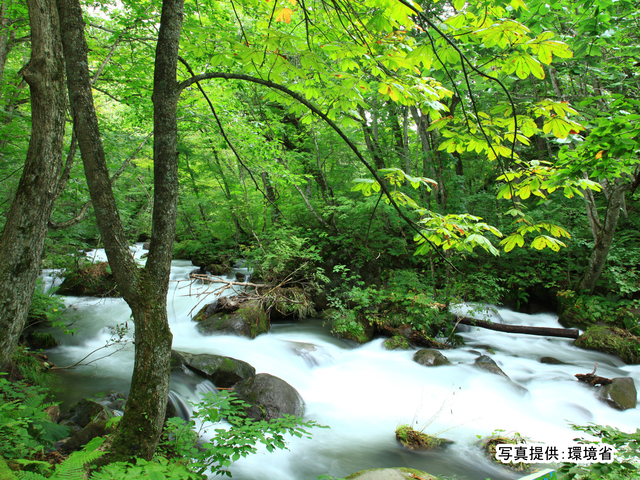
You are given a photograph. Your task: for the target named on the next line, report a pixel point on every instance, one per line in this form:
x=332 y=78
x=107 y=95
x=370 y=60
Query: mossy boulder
x=400 y=473
x=249 y=320
x=94 y=280
x=83 y=412
x=621 y=393
x=397 y=342
x=269 y=397
x=430 y=357
x=611 y=340
x=417 y=440
x=223 y=371
x=41 y=340
x=489 y=445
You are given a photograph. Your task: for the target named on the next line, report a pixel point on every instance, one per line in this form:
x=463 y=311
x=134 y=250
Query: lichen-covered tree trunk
x=145 y=290
x=23 y=236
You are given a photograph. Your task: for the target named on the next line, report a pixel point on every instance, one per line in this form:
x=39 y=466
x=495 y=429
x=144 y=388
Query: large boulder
x=249 y=320
x=269 y=397
x=488 y=364
x=620 y=393
x=430 y=357
x=391 y=474
x=83 y=412
x=223 y=371
x=611 y=340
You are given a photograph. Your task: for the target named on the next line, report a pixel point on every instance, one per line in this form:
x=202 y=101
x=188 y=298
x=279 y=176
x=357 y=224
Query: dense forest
x=372 y=162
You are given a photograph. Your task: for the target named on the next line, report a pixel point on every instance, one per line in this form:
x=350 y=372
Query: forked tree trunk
x=23 y=236
x=145 y=290
x=604 y=238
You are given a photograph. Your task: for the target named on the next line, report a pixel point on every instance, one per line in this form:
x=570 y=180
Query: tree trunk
x=145 y=290
x=605 y=236
x=501 y=327
x=24 y=232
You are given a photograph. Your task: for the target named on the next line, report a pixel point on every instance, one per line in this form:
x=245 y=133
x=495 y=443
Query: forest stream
x=364 y=392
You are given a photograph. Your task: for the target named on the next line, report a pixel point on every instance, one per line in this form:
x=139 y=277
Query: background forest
x=378 y=160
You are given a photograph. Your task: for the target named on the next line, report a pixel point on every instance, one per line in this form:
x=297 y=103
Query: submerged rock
x=223 y=371
x=269 y=397
x=551 y=361
x=487 y=363
x=620 y=393
x=430 y=358
x=249 y=320
x=391 y=474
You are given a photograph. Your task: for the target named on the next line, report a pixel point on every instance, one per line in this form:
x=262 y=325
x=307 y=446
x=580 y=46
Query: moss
x=611 y=340
x=255 y=317
x=396 y=342
x=417 y=440
x=489 y=444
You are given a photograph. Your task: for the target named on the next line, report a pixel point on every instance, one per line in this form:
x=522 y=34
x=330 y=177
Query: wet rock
x=487 y=363
x=146 y=246
x=430 y=358
x=83 y=412
x=240 y=277
x=620 y=393
x=551 y=361
x=95 y=280
x=249 y=320
x=611 y=340
x=97 y=427
x=223 y=371
x=396 y=343
x=391 y=474
x=417 y=440
x=269 y=397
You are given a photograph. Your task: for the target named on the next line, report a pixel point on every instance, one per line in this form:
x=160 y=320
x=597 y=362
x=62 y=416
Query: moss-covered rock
x=400 y=473
x=269 y=397
x=611 y=340
x=417 y=440
x=397 y=342
x=223 y=371
x=430 y=357
x=94 y=280
x=41 y=340
x=249 y=320
x=621 y=393
x=489 y=445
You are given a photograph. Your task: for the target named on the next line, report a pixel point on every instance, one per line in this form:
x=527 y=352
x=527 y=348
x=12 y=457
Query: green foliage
x=24 y=424
x=229 y=444
x=159 y=468
x=626 y=466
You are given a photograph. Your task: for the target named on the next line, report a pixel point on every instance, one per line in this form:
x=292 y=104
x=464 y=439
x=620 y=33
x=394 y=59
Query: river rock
x=223 y=371
x=97 y=427
x=430 y=358
x=269 y=397
x=390 y=474
x=551 y=361
x=249 y=320
x=620 y=393
x=95 y=280
x=83 y=412
x=487 y=363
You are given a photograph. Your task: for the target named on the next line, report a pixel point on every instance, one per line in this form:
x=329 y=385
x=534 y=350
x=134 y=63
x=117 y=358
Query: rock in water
x=390 y=474
x=223 y=371
x=487 y=363
x=620 y=393
x=269 y=397
x=430 y=358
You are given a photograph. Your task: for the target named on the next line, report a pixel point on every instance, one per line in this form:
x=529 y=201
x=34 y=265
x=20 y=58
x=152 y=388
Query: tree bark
x=145 y=290
x=23 y=236
x=605 y=236
x=500 y=327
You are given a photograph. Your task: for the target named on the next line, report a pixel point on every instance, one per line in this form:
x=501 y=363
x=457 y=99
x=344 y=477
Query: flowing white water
x=363 y=393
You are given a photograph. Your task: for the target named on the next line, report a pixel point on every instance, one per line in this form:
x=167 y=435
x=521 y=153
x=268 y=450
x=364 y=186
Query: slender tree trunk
x=24 y=232
x=145 y=290
x=605 y=236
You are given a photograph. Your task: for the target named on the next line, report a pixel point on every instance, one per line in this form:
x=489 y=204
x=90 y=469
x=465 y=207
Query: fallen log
x=501 y=327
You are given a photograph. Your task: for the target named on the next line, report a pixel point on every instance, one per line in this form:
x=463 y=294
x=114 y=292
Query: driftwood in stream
x=593 y=379
x=501 y=327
